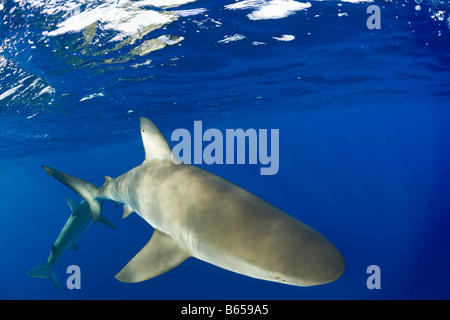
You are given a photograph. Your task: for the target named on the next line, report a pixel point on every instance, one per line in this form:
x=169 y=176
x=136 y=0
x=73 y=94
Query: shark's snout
x=331 y=268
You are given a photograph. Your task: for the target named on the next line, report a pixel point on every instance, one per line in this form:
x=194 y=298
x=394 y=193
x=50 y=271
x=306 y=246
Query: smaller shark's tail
x=44 y=270
x=85 y=189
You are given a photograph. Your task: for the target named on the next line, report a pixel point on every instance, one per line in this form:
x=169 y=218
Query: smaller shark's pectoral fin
x=158 y=256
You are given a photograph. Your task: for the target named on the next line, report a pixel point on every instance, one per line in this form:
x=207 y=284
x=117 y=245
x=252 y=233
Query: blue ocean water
x=362 y=114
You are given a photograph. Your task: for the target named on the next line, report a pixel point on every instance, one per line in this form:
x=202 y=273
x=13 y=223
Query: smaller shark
x=76 y=225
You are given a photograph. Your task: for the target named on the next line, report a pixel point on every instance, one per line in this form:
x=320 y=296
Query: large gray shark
x=198 y=214
x=78 y=222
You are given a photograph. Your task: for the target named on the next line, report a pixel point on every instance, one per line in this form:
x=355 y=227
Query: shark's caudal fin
x=85 y=189
x=44 y=270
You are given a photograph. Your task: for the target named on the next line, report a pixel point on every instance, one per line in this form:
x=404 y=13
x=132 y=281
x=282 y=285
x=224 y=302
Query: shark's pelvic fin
x=158 y=256
x=126 y=211
x=85 y=189
x=155 y=145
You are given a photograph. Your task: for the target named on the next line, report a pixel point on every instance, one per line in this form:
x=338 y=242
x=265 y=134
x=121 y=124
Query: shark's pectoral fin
x=158 y=256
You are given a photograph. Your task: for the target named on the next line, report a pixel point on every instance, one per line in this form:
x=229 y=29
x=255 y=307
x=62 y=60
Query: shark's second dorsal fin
x=155 y=145
x=158 y=256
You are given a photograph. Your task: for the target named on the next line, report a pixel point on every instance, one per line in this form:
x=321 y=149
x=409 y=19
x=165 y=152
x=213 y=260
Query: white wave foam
x=126 y=17
x=92 y=96
x=273 y=9
x=9 y=92
x=285 y=37
x=190 y=12
x=357 y=1
x=232 y=38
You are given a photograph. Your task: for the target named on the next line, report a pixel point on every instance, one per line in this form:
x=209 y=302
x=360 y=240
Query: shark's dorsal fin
x=107 y=179
x=158 y=256
x=155 y=145
x=72 y=204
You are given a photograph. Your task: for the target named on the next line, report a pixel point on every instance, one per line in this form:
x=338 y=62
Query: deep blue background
x=364 y=158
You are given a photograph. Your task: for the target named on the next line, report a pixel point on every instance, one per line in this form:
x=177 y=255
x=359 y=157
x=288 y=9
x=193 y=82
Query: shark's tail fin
x=85 y=189
x=44 y=270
